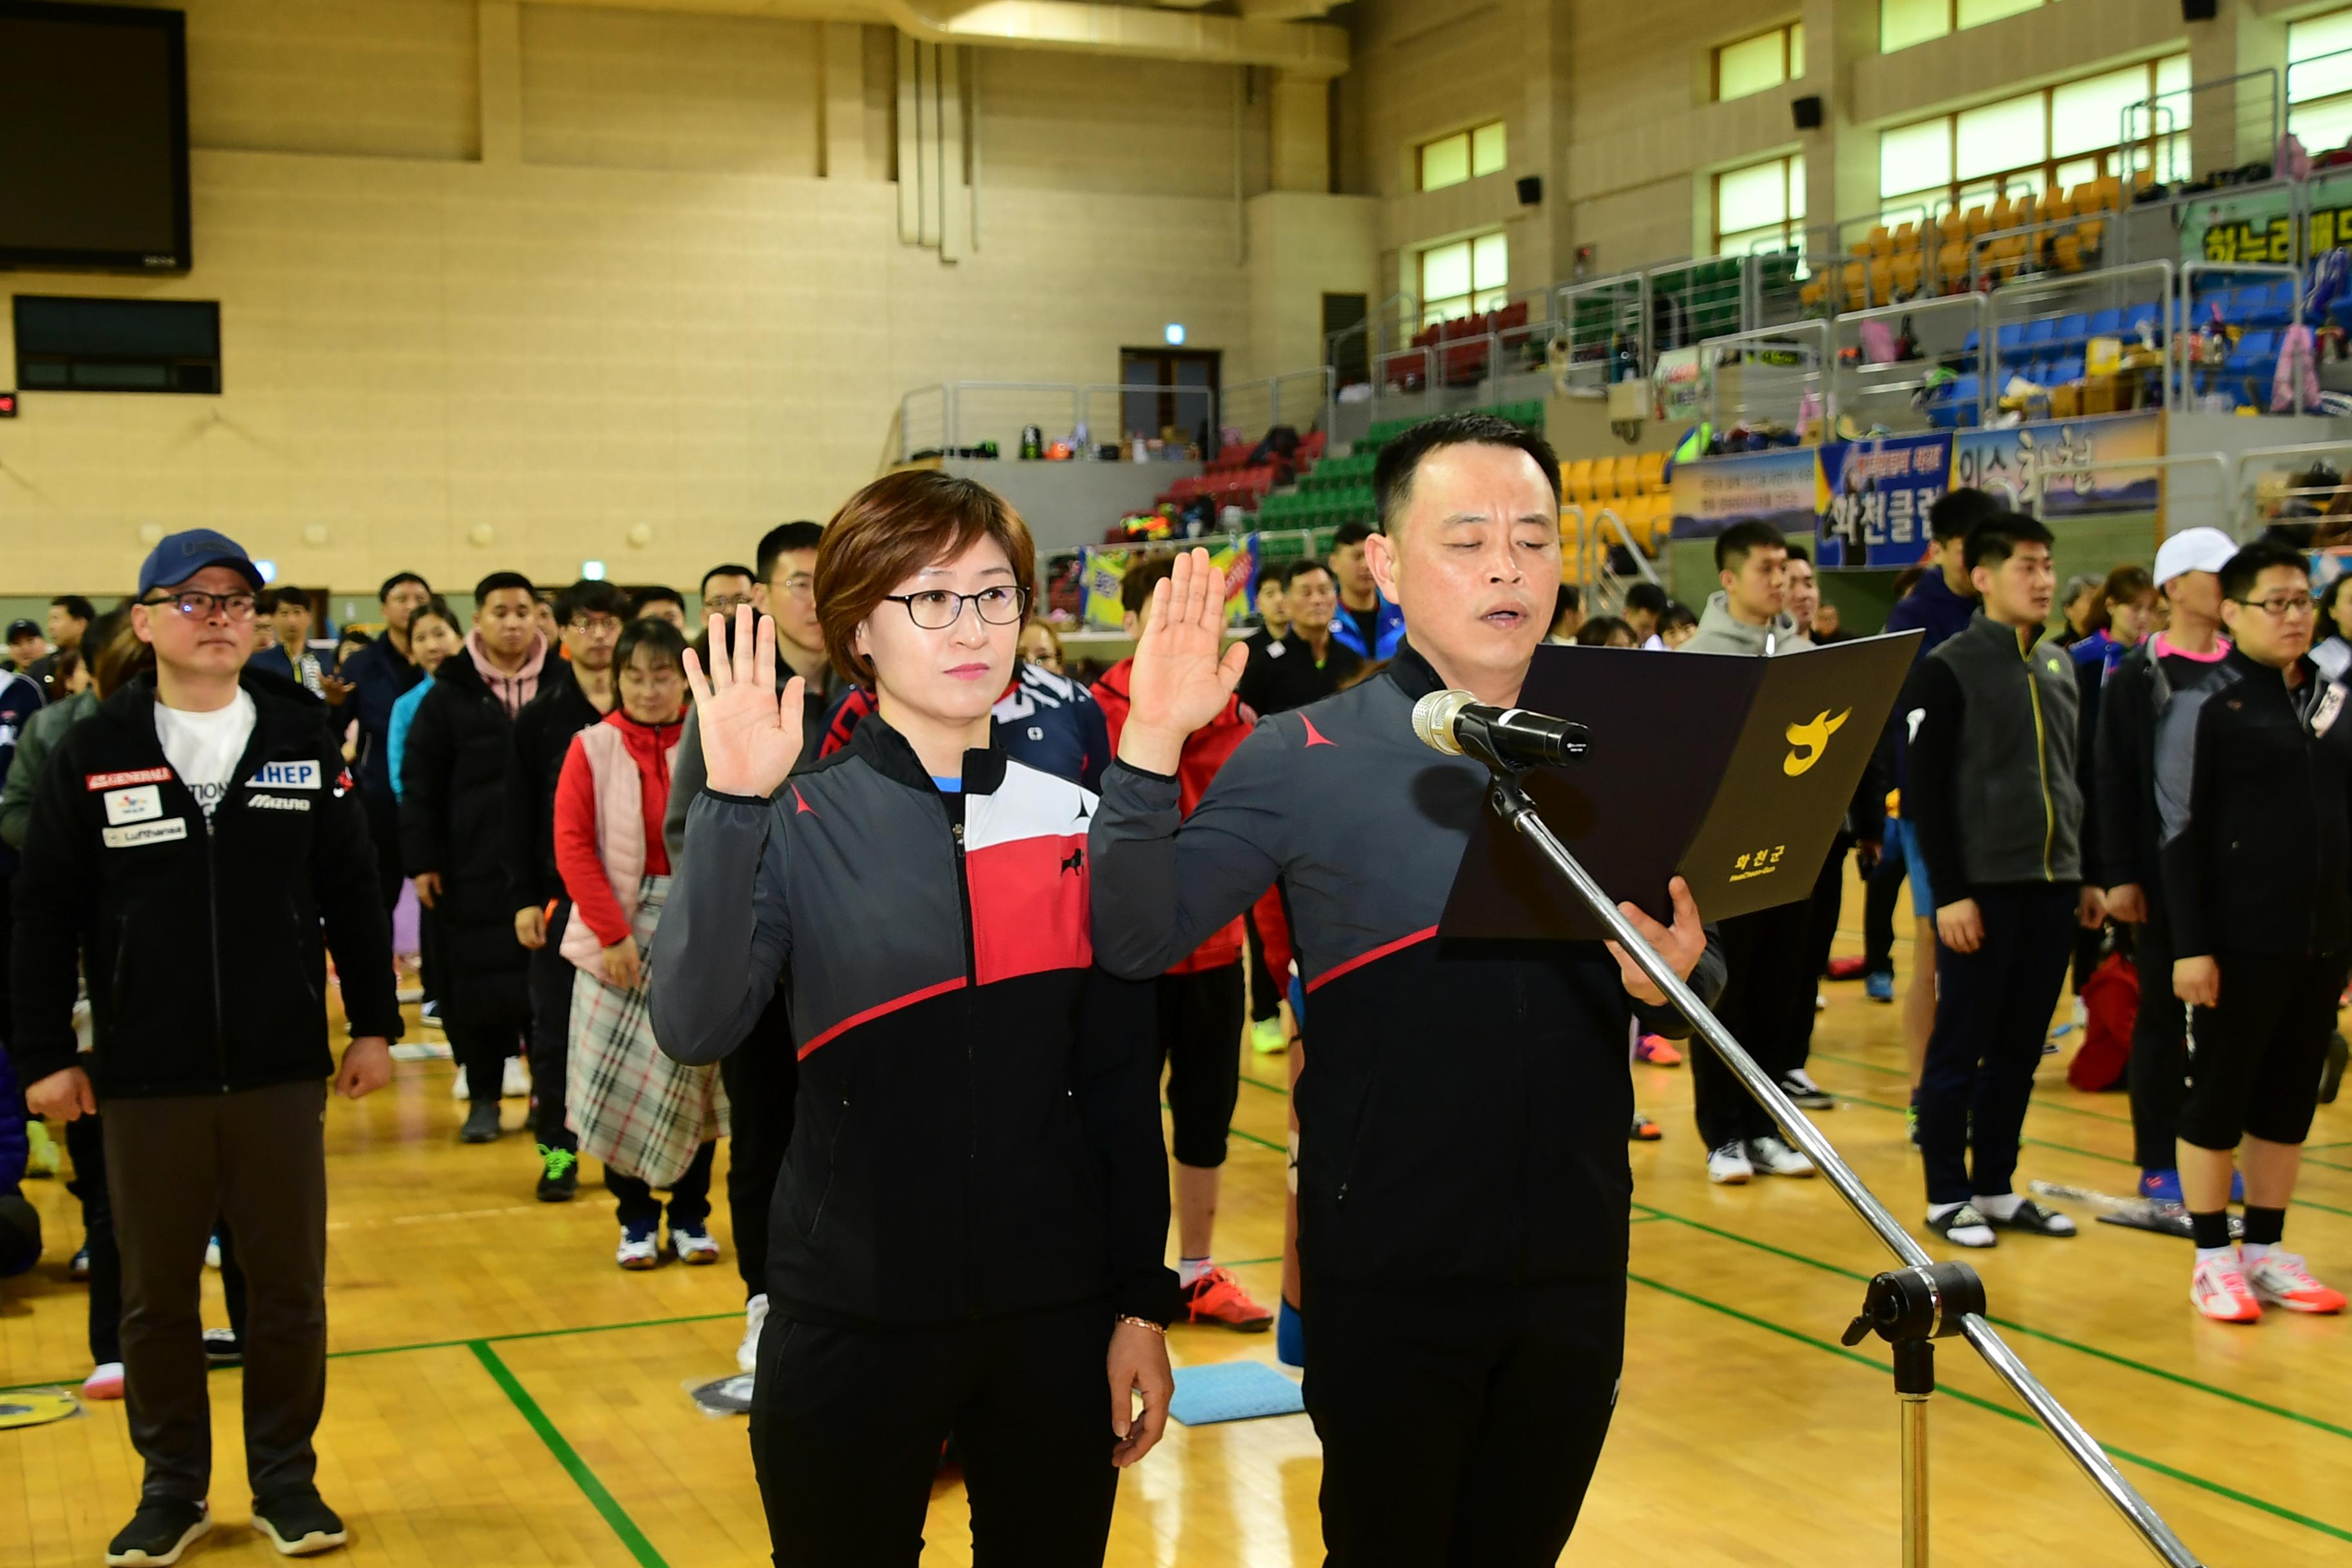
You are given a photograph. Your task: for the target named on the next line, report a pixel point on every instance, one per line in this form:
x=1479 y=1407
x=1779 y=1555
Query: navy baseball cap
x=23 y=629
x=181 y=556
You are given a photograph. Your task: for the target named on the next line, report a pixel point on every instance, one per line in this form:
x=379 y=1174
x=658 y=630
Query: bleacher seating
x=1633 y=487
x=2065 y=231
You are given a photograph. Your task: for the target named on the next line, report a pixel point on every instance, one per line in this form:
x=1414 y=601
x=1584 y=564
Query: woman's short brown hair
x=896 y=526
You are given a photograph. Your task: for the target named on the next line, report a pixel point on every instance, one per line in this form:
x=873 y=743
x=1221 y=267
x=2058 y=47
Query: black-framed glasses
x=937 y=609
x=725 y=604
x=2279 y=606
x=198 y=604
x=596 y=624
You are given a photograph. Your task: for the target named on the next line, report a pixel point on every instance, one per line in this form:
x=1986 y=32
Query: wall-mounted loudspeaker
x=1530 y=190
x=1806 y=111
x=2198 y=10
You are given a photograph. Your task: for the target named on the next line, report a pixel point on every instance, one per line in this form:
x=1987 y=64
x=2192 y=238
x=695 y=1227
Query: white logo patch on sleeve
x=143 y=803
x=285 y=775
x=146 y=833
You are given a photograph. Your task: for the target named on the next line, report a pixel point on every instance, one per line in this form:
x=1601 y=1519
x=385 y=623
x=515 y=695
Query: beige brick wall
x=659 y=315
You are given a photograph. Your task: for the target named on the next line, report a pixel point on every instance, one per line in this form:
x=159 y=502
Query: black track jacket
x=978 y=1128
x=1462 y=1115
x=202 y=939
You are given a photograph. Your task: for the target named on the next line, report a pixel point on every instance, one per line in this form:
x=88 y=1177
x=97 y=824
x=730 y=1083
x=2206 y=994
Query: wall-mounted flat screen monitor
x=93 y=137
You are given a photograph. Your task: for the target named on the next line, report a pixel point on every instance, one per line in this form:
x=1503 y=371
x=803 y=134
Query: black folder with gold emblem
x=1732 y=773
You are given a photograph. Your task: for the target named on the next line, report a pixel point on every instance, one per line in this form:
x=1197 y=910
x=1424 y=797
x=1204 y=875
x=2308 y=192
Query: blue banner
x=1873 y=496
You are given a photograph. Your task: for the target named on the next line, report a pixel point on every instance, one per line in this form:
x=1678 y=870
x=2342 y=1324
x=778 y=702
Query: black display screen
x=93 y=137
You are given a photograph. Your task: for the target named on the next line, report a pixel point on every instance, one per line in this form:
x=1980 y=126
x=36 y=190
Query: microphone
x=1458 y=724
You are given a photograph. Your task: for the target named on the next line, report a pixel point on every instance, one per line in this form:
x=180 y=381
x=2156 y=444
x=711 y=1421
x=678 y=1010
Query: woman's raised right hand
x=750 y=734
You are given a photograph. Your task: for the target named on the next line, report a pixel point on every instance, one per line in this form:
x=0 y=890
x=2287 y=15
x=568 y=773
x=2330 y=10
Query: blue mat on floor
x=1232 y=1391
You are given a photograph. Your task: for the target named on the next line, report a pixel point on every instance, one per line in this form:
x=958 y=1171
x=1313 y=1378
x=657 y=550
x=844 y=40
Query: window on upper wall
x=2052 y=140
x=2319 y=81
x=1464 y=156
x=1762 y=62
x=1464 y=277
x=1903 y=23
x=1761 y=206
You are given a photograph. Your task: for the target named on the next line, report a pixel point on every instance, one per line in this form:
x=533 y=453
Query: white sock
x=2002 y=1207
x=2208 y=1254
x=1188 y=1269
x=1937 y=1211
x=2255 y=1251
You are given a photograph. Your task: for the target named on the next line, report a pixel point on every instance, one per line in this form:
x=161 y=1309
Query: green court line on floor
x=1269 y=1088
x=2087 y=1154
x=2187 y=1477
x=2111 y=1357
x=1245 y=1262
x=458 y=1344
x=568 y=1457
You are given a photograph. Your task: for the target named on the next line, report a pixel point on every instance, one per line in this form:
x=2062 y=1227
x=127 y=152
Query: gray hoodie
x=1720 y=632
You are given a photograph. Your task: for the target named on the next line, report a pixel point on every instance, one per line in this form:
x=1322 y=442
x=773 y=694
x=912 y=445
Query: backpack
x=2111 y=996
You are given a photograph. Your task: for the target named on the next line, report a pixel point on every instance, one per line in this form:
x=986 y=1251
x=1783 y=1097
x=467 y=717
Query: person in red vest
x=1201 y=1004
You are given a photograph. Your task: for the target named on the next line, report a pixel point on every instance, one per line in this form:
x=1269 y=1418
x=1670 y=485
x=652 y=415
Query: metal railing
x=967 y=412
x=1596 y=569
x=2111 y=285
x=2151 y=124
x=1863 y=382
x=2246 y=499
x=1813 y=337
x=1299 y=399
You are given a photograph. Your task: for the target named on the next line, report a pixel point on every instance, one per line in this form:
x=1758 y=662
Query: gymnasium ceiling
x=1283 y=33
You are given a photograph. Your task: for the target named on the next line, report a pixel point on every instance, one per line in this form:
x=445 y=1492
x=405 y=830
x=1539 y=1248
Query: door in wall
x=1170 y=393
x=1348 y=355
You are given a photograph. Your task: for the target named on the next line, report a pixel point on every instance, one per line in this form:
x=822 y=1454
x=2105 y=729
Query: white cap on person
x=2193 y=550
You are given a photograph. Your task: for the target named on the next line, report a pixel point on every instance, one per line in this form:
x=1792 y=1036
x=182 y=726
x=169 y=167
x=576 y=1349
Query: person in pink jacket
x=654 y=1123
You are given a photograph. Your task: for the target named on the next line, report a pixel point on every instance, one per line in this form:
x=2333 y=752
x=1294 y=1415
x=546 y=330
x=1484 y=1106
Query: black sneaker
x=2031 y=1219
x=559 y=1177
x=1798 y=1086
x=481 y=1122
x=222 y=1348
x=159 y=1532
x=299 y=1525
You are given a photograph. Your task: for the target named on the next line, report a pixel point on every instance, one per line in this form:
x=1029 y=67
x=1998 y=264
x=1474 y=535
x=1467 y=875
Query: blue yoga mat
x=1232 y=1391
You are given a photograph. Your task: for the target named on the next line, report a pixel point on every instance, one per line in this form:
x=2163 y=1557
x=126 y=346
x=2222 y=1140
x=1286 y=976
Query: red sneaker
x=1218 y=1298
x=1853 y=968
x=1657 y=1051
x=1645 y=1130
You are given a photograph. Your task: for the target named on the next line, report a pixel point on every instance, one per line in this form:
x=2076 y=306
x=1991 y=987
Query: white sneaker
x=212 y=1252
x=104 y=1381
x=517 y=1080
x=637 y=1253
x=1821 y=1001
x=1775 y=1158
x=457 y=1087
x=2280 y=1278
x=1728 y=1166
x=694 y=1245
x=755 y=1313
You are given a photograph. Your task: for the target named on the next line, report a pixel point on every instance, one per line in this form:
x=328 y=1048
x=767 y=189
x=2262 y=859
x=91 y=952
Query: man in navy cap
x=193 y=797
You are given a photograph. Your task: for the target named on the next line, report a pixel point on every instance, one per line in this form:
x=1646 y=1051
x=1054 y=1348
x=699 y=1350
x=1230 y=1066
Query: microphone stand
x=1910 y=1307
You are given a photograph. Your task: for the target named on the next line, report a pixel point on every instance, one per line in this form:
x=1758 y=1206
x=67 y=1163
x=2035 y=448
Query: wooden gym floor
x=501 y=1394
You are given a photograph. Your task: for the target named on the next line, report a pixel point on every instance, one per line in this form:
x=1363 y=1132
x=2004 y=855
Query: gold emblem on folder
x=1811 y=741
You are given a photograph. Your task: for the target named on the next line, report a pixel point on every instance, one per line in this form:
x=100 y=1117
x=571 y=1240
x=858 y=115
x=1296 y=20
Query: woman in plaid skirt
x=653 y=1121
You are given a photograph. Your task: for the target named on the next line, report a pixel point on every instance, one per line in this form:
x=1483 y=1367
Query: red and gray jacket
x=1462 y=1113
x=978 y=1131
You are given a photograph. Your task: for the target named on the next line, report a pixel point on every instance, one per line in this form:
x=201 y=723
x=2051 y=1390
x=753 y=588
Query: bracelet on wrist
x=1131 y=1318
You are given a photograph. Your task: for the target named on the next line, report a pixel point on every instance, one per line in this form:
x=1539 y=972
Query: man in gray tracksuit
x=1997 y=815
x=1768 y=996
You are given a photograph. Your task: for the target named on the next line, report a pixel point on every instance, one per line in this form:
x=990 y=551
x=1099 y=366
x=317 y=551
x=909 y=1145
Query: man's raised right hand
x=1180 y=681
x=750 y=734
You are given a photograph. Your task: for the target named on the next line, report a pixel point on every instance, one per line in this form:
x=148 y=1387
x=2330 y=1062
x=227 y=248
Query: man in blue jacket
x=373 y=680
x=1368 y=622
